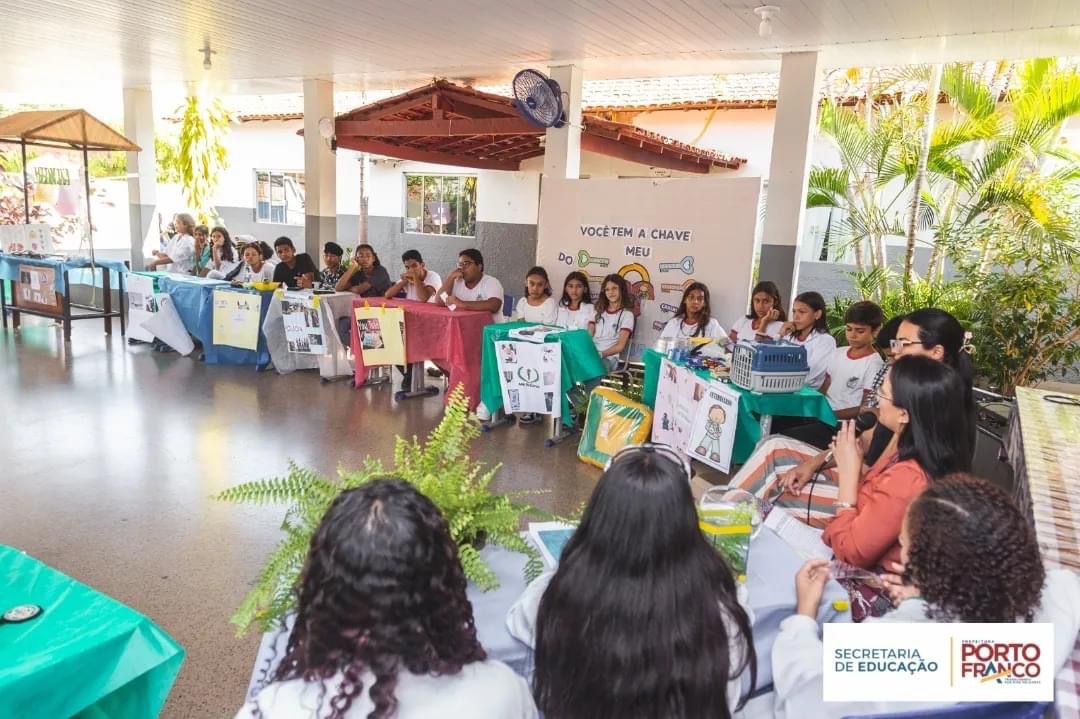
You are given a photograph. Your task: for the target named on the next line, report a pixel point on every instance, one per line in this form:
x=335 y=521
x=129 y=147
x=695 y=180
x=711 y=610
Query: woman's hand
x=847 y=452
x=773 y=316
x=810 y=586
x=794 y=479
x=787 y=328
x=897 y=590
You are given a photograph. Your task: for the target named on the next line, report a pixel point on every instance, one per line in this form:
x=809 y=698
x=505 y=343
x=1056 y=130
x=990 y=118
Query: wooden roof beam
x=442 y=128
x=409 y=153
x=591 y=142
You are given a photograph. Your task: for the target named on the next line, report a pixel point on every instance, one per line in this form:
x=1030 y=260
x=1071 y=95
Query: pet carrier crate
x=769 y=367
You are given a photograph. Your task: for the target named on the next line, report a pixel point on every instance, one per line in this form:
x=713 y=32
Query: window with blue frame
x=279 y=197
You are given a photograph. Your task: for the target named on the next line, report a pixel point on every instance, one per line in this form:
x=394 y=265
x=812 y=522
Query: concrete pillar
x=142 y=175
x=562 y=145
x=320 y=170
x=789 y=170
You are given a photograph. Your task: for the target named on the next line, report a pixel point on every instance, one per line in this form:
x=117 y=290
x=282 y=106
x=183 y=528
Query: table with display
x=334 y=362
x=770 y=583
x=55 y=302
x=85 y=654
x=755 y=409
x=193 y=298
x=581 y=363
x=451 y=339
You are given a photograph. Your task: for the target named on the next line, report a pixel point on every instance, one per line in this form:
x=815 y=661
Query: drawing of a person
x=710 y=441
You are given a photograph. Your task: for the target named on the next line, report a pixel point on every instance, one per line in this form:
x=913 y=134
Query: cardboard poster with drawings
x=530 y=376
x=691 y=391
x=34 y=238
x=667 y=401
x=712 y=435
x=304 y=332
x=380 y=333
x=141 y=306
x=36 y=288
x=236 y=319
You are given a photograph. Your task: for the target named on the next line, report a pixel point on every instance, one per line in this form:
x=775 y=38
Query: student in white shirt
x=642 y=615
x=537 y=305
x=613 y=324
x=223 y=258
x=179 y=254
x=468 y=288
x=576 y=310
x=418 y=282
x=766 y=317
x=809 y=327
x=967 y=555
x=383 y=621
x=254 y=268
x=693 y=318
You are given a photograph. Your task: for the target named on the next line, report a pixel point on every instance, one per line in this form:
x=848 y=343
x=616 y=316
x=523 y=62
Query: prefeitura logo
x=1000 y=662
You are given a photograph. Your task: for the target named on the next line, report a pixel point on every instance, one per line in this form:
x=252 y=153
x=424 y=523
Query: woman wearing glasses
x=641 y=617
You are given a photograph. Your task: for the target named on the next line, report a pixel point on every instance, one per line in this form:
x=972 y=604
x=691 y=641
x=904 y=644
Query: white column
x=142 y=175
x=562 y=145
x=789 y=170
x=320 y=170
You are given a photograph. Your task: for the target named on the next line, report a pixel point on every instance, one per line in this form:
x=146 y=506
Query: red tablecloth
x=453 y=340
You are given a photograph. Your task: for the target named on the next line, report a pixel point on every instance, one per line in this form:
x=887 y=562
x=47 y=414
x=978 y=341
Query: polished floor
x=110 y=453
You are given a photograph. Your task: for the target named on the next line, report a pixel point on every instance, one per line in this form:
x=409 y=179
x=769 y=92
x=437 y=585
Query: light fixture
x=206 y=53
x=766 y=13
x=326 y=128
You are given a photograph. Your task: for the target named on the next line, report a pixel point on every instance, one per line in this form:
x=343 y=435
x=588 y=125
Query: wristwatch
x=21 y=613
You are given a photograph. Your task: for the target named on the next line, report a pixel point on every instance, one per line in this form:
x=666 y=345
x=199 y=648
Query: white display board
x=530 y=376
x=659 y=235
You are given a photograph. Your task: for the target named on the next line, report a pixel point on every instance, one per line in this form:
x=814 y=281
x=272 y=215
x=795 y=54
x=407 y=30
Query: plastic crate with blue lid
x=769 y=367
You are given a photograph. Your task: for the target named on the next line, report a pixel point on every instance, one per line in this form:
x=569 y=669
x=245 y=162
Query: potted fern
x=439 y=468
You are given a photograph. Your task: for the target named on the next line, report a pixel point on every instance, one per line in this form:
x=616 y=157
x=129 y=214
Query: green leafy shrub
x=440 y=468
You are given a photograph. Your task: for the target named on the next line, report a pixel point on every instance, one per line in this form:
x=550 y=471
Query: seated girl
x=641 y=618
x=575 y=308
x=613 y=324
x=254 y=268
x=861 y=508
x=766 y=317
x=809 y=328
x=222 y=255
x=383 y=626
x=537 y=305
x=968 y=555
x=693 y=318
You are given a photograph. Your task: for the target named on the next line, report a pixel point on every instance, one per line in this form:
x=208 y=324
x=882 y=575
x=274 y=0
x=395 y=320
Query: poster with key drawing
x=530 y=376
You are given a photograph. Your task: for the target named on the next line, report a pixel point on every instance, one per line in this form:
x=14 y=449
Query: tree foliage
x=201 y=154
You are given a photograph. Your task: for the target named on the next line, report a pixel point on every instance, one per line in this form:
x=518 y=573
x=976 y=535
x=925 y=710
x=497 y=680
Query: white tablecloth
x=770 y=587
x=336 y=361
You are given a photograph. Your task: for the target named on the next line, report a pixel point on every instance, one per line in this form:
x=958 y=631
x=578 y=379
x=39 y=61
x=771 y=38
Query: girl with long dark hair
x=809 y=327
x=693 y=318
x=576 y=310
x=222 y=255
x=641 y=619
x=766 y=316
x=613 y=324
x=968 y=555
x=537 y=305
x=383 y=627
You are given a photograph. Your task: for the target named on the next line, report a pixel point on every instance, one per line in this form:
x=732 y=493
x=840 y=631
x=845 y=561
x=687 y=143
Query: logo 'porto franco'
x=1000 y=662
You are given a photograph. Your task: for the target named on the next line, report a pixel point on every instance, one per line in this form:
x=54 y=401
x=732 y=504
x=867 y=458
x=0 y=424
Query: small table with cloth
x=85 y=654
x=452 y=339
x=754 y=407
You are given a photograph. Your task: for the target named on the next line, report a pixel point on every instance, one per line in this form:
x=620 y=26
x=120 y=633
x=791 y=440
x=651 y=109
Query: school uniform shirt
x=797 y=659
x=851 y=379
x=819 y=347
x=488 y=288
x=868 y=536
x=521 y=623
x=378 y=278
x=608 y=326
x=544 y=313
x=265 y=273
x=181 y=250
x=481 y=690
x=678 y=327
x=290 y=276
x=744 y=330
x=432 y=280
x=219 y=270
x=578 y=319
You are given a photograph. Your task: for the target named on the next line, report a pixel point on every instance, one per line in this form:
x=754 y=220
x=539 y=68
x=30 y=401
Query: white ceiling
x=96 y=47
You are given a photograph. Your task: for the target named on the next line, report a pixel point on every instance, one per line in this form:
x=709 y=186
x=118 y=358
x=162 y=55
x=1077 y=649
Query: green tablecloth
x=580 y=363
x=87 y=655
x=806 y=402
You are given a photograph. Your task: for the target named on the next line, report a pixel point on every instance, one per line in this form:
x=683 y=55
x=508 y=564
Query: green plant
x=439 y=468
x=108 y=164
x=167 y=158
x=202 y=156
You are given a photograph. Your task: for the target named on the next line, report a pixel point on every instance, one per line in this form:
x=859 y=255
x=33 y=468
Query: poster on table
x=659 y=235
x=34 y=238
x=236 y=319
x=667 y=402
x=141 y=306
x=37 y=286
x=166 y=325
x=380 y=332
x=712 y=435
x=304 y=331
x=530 y=376
x=691 y=391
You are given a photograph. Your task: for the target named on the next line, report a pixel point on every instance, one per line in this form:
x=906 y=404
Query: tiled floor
x=109 y=455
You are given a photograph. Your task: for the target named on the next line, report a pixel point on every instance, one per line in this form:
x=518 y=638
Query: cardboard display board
x=36 y=289
x=380 y=332
x=531 y=376
x=659 y=235
x=304 y=332
x=35 y=238
x=236 y=319
x=142 y=305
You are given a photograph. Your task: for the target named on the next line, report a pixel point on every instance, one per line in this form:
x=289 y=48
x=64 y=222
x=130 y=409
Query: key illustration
x=686 y=264
x=584 y=259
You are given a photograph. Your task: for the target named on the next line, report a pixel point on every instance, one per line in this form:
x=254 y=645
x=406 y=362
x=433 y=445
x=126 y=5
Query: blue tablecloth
x=9 y=268
x=194 y=301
